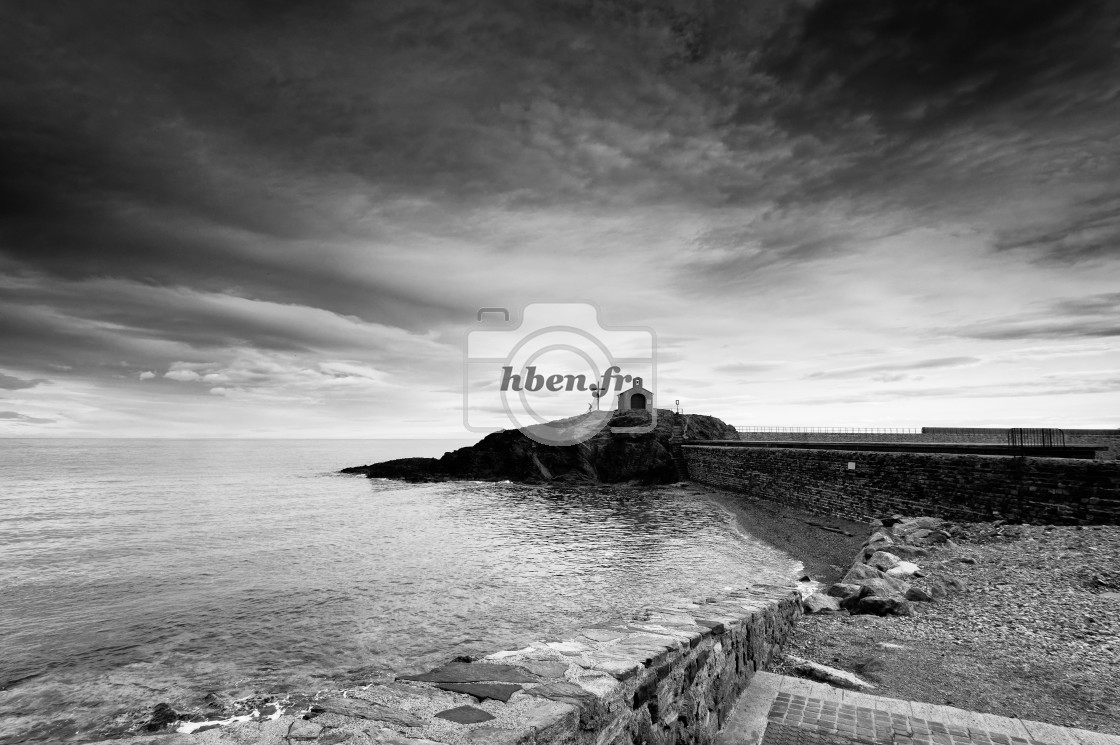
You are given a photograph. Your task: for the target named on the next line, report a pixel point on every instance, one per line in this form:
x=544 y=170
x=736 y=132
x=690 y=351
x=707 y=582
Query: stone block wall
x=669 y=678
x=956 y=487
x=832 y=437
x=979 y=435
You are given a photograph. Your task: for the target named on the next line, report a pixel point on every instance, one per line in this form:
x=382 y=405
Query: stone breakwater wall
x=1109 y=438
x=957 y=487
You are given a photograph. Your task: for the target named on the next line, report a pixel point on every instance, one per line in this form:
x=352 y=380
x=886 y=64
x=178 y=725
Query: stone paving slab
x=781 y=710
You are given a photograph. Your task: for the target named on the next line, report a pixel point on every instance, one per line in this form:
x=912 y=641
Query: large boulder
x=879 y=583
x=883 y=561
x=885 y=587
x=906 y=551
x=879 y=541
x=919 y=595
x=849 y=603
x=844 y=591
x=862 y=573
x=883 y=606
x=903 y=569
x=926 y=537
x=909 y=525
x=944 y=585
x=821 y=603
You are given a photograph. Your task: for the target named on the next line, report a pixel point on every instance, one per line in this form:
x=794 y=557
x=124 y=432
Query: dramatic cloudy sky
x=277 y=219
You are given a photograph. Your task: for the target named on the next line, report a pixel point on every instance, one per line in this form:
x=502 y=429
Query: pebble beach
x=1033 y=632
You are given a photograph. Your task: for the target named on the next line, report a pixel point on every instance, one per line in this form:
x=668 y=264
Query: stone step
x=776 y=710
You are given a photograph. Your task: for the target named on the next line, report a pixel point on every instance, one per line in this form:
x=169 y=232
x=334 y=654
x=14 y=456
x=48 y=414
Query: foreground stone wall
x=957 y=487
x=670 y=676
x=667 y=679
x=979 y=435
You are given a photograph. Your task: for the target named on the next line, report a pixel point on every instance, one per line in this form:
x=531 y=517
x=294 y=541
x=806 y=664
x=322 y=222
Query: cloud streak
x=12 y=383
x=13 y=416
x=866 y=370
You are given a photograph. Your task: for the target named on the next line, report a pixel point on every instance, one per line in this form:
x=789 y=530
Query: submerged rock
x=162 y=716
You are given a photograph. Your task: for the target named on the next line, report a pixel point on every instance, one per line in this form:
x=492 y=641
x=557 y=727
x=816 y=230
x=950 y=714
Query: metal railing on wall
x=1023 y=437
x=835 y=430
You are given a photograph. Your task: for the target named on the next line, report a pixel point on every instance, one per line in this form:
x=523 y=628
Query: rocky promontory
x=608 y=457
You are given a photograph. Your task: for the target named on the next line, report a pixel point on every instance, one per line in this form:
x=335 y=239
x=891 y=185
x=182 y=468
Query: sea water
x=134 y=572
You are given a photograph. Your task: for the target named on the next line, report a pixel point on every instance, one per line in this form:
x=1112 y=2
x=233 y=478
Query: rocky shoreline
x=672 y=672
x=1015 y=620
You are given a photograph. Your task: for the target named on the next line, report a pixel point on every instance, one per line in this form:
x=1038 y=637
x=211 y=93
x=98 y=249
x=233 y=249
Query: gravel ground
x=1035 y=633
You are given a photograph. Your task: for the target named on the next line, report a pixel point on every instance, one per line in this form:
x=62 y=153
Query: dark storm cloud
x=948 y=108
x=937 y=60
x=208 y=145
x=130 y=126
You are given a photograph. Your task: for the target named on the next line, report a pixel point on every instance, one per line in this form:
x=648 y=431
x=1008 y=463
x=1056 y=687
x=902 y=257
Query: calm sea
x=141 y=571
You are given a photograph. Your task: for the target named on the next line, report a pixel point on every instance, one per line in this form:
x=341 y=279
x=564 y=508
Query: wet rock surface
x=162 y=716
x=356 y=707
x=464 y=672
x=465 y=715
x=482 y=691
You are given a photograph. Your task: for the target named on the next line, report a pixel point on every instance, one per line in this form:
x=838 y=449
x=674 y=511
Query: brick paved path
x=780 y=710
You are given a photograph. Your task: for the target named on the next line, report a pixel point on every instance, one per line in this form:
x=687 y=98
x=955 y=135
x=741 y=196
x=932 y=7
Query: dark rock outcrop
x=606 y=457
x=162 y=716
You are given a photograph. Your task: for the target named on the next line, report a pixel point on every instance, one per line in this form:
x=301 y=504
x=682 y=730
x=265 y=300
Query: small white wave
x=187 y=728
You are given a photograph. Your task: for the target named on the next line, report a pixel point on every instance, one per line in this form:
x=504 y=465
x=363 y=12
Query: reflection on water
x=136 y=572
